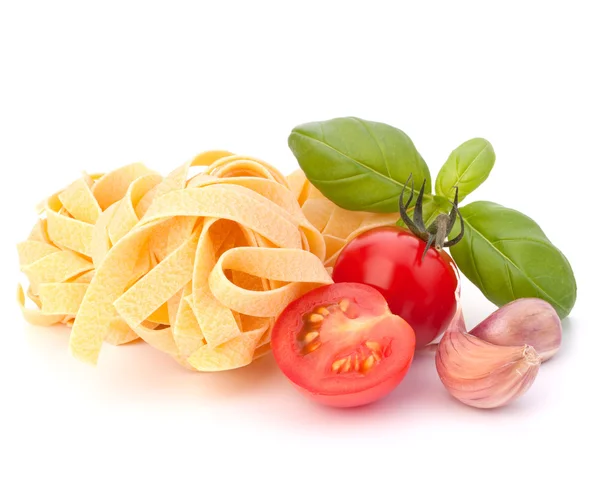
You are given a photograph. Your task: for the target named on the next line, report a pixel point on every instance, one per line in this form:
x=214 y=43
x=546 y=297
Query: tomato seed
x=344 y=304
x=310 y=347
x=368 y=364
x=373 y=346
x=336 y=365
x=347 y=365
x=310 y=337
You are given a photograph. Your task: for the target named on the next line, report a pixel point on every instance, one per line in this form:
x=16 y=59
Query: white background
x=95 y=87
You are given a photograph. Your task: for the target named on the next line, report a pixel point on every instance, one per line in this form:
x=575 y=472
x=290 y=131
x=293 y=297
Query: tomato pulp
x=421 y=291
x=340 y=345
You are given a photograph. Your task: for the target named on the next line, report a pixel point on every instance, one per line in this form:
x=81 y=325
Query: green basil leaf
x=466 y=168
x=358 y=164
x=507 y=256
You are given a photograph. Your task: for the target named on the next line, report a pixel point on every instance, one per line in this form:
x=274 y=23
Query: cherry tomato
x=420 y=291
x=340 y=345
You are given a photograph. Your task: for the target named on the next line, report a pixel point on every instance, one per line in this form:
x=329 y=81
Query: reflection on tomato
x=420 y=290
x=340 y=345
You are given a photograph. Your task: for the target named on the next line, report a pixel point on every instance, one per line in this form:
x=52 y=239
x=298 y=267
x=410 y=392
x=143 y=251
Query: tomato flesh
x=420 y=291
x=341 y=345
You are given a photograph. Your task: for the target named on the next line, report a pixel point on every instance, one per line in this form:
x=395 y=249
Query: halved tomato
x=341 y=345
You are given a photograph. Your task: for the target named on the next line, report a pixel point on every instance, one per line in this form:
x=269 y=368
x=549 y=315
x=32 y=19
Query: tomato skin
x=421 y=292
x=359 y=398
x=366 y=321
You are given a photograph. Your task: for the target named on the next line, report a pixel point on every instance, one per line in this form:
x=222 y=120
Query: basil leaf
x=358 y=164
x=507 y=256
x=467 y=167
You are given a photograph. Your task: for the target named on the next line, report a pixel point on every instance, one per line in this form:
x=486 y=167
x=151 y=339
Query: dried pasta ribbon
x=196 y=265
x=337 y=225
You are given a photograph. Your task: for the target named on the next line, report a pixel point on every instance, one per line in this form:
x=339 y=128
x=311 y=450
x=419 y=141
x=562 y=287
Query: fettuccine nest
x=198 y=266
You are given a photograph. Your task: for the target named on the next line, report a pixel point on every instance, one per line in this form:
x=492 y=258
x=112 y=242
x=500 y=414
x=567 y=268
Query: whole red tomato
x=421 y=290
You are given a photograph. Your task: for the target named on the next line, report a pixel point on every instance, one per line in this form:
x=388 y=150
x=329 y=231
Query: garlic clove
x=530 y=321
x=482 y=374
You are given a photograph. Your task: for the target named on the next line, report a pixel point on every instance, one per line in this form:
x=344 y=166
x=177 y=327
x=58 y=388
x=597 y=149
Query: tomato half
x=422 y=291
x=341 y=345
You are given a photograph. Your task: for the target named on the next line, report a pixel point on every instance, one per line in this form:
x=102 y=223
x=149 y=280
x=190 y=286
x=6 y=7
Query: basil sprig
x=363 y=165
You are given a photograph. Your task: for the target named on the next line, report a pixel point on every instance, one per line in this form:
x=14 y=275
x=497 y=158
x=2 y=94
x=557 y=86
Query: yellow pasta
x=199 y=266
x=337 y=225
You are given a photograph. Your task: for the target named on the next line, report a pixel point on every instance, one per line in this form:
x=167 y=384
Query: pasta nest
x=198 y=265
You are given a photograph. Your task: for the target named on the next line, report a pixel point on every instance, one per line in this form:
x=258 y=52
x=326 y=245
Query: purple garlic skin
x=530 y=321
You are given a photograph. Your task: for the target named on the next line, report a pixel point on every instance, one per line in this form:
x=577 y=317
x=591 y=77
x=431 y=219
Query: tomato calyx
x=441 y=226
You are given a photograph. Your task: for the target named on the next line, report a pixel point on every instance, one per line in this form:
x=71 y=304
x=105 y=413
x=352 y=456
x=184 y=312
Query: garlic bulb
x=530 y=321
x=482 y=374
